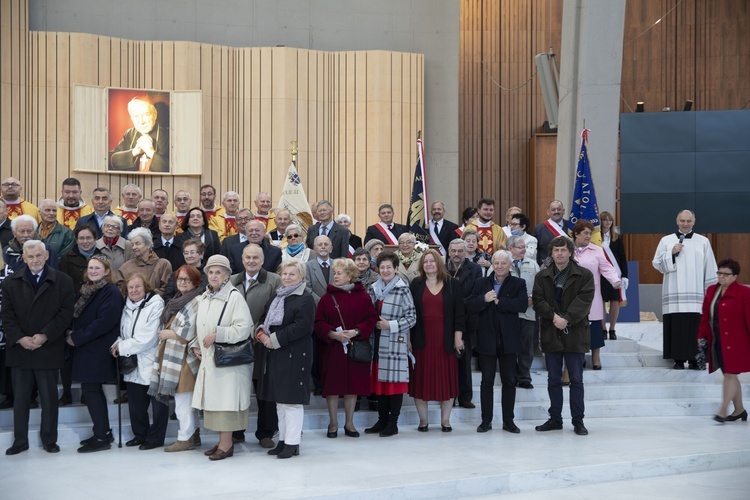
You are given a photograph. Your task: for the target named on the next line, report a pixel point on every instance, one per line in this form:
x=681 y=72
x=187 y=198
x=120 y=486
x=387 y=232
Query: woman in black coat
x=612 y=240
x=96 y=325
x=286 y=332
x=195 y=225
x=436 y=338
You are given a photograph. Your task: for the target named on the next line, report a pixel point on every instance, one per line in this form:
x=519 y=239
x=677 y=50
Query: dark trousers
x=574 y=361
x=96 y=402
x=268 y=420
x=66 y=372
x=526 y=355
x=138 y=401
x=465 y=383
x=487 y=363
x=23 y=387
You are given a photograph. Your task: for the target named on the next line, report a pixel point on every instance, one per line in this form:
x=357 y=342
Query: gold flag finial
x=419 y=134
x=294 y=151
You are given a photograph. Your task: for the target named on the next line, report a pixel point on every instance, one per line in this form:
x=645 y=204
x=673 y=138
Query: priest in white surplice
x=687 y=262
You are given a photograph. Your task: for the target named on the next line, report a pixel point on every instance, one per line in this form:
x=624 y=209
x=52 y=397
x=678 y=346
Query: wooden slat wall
x=700 y=51
x=498 y=41
x=355 y=115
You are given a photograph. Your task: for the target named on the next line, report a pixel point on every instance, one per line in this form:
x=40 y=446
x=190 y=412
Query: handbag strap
x=138 y=314
x=225 y=306
x=338 y=309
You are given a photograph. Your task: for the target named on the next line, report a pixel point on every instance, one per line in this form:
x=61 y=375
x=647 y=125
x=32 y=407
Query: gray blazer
x=315 y=282
x=339 y=236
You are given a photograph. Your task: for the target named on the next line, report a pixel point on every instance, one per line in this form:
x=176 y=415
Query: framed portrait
x=137 y=131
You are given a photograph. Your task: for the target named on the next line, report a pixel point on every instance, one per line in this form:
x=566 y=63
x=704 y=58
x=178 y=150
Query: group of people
x=149 y=295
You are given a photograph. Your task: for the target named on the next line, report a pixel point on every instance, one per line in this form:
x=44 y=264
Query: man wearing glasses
x=11 y=191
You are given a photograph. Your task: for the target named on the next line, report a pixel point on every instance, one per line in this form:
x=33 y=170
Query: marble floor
x=657 y=455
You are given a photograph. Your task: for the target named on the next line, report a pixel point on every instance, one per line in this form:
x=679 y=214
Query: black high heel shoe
x=289 y=451
x=742 y=416
x=719 y=419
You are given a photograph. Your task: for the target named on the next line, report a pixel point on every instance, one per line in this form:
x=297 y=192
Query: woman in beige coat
x=222 y=393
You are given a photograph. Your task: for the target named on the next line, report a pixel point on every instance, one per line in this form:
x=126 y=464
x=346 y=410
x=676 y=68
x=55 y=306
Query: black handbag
x=358 y=350
x=241 y=353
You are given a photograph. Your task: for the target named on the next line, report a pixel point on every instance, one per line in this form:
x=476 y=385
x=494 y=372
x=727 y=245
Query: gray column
x=590 y=74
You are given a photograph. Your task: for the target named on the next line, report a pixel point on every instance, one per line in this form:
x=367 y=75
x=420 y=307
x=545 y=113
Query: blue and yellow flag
x=418 y=218
x=585 y=206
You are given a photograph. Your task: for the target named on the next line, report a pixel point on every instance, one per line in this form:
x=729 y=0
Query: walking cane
x=119 y=405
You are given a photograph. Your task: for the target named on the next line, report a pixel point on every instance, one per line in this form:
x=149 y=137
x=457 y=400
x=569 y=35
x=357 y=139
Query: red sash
x=555 y=229
x=390 y=238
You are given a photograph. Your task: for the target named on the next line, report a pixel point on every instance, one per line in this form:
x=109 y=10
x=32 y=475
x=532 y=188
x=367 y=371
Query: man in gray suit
x=338 y=234
x=319 y=276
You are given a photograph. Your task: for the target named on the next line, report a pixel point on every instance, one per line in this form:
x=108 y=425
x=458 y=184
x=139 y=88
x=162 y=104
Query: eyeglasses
x=293 y=235
x=110 y=226
x=719 y=273
x=99 y=256
x=515 y=223
x=183 y=280
x=10 y=184
x=190 y=252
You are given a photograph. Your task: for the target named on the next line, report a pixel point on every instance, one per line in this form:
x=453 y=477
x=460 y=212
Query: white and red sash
x=383 y=228
x=554 y=228
x=435 y=240
x=351 y=251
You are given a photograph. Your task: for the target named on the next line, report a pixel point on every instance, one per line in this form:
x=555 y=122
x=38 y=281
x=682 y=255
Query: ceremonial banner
x=584 y=195
x=418 y=218
x=293 y=198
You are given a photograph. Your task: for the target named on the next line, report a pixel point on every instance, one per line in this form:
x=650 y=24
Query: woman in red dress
x=345 y=314
x=725 y=324
x=436 y=339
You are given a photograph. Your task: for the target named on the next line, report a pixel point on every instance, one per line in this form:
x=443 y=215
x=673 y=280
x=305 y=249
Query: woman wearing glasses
x=295 y=245
x=195 y=225
x=192 y=251
x=725 y=325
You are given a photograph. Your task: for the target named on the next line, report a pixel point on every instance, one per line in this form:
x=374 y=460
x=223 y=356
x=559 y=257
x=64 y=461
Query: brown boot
x=180 y=446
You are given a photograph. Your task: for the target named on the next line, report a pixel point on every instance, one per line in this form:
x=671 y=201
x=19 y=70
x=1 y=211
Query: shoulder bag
x=241 y=353
x=128 y=364
x=359 y=350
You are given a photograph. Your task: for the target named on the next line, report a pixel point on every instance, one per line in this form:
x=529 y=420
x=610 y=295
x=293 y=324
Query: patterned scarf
x=381 y=290
x=88 y=290
x=165 y=374
x=178 y=302
x=560 y=277
x=275 y=314
x=408 y=261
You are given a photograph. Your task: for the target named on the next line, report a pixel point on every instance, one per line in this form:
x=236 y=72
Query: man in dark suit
x=497 y=300
x=283 y=219
x=164 y=245
x=386 y=230
x=244 y=215
x=442 y=231
x=101 y=200
x=467 y=273
x=37 y=310
x=145 y=147
x=338 y=234
x=319 y=275
x=147 y=218
x=255 y=232
x=550 y=229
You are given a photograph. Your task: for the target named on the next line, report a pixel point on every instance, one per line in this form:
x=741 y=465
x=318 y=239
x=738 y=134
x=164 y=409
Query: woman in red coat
x=345 y=314
x=725 y=324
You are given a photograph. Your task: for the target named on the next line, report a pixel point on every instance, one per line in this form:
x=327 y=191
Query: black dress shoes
x=134 y=442
x=511 y=427
x=468 y=405
x=550 y=425
x=150 y=446
x=484 y=427
x=525 y=385
x=110 y=438
x=579 y=428
x=51 y=448
x=351 y=434
x=16 y=449
x=95 y=445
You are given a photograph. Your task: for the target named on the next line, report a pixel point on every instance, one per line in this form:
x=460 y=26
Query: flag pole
x=295 y=151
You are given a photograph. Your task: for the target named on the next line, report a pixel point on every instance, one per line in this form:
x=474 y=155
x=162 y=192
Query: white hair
x=142 y=233
x=341 y=217
x=23 y=218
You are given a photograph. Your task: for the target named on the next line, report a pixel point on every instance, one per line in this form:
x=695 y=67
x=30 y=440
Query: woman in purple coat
x=345 y=314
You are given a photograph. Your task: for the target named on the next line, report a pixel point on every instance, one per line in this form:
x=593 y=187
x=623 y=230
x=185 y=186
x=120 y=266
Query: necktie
x=323 y=230
x=326 y=272
x=325 y=265
x=167 y=245
x=517 y=263
x=249 y=284
x=36 y=278
x=436 y=228
x=390 y=226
